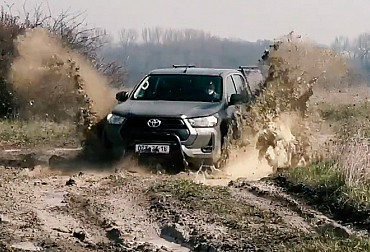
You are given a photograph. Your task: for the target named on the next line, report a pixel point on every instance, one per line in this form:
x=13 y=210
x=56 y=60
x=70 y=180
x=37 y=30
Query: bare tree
x=157 y=33
x=363 y=47
x=342 y=45
x=165 y=47
x=127 y=37
x=145 y=33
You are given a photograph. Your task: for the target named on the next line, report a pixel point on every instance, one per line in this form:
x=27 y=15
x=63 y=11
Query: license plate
x=152 y=148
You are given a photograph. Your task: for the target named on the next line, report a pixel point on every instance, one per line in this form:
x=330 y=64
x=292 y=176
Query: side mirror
x=122 y=96
x=237 y=99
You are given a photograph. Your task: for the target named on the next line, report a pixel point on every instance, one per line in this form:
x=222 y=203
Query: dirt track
x=118 y=210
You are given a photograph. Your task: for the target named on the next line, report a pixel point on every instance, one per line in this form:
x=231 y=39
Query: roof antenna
x=186 y=67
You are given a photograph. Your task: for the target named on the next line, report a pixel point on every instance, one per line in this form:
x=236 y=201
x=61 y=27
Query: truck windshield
x=180 y=88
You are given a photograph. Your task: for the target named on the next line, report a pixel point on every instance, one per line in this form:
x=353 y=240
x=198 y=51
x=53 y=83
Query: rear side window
x=239 y=84
x=229 y=88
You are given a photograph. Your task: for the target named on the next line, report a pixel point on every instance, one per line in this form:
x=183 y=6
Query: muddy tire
x=111 y=151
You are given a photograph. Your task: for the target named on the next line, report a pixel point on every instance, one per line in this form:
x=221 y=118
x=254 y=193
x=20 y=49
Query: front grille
x=166 y=123
x=137 y=129
x=153 y=138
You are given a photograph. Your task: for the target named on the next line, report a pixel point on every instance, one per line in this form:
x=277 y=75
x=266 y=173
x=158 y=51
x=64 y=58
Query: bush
x=68 y=29
x=9 y=30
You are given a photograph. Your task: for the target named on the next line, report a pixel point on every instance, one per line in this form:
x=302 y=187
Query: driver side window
x=229 y=88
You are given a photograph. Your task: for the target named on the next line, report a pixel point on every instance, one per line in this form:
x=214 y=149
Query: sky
x=319 y=20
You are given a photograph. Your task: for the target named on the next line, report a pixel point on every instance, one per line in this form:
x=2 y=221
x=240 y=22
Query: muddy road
x=126 y=209
x=83 y=205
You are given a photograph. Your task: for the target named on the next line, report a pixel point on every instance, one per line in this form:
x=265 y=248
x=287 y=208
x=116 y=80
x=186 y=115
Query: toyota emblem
x=154 y=123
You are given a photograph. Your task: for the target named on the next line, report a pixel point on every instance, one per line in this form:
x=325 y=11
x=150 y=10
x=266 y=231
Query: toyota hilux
x=180 y=113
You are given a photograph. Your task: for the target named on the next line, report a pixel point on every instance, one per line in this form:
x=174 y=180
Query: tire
x=224 y=155
x=110 y=151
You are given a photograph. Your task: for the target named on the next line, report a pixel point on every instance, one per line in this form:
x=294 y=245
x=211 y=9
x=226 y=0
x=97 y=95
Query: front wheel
x=224 y=148
x=111 y=151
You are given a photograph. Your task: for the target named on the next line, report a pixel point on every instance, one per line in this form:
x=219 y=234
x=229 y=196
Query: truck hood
x=167 y=108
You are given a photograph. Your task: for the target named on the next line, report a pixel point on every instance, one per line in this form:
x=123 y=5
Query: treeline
x=153 y=48
x=357 y=51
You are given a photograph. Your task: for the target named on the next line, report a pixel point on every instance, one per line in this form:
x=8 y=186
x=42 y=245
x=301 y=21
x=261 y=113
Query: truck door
x=240 y=85
x=241 y=88
x=229 y=90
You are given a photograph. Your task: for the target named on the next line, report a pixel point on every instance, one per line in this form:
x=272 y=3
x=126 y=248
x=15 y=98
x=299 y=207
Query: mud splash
x=53 y=82
x=276 y=132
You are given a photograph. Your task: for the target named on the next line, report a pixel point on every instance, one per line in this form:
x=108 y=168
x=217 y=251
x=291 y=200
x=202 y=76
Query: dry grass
x=350 y=153
x=340 y=182
x=347 y=120
x=37 y=132
x=328 y=243
x=352 y=159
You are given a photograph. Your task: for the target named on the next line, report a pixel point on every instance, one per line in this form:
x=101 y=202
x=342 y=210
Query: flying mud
x=52 y=82
x=279 y=130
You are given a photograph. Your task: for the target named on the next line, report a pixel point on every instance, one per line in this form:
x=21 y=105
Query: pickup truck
x=181 y=113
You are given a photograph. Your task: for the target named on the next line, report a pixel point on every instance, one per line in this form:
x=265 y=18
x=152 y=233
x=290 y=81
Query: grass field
x=31 y=133
x=340 y=183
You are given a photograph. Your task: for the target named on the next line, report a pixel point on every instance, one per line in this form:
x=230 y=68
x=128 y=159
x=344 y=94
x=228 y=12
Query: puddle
x=57 y=150
x=54 y=199
x=26 y=246
x=12 y=150
x=162 y=242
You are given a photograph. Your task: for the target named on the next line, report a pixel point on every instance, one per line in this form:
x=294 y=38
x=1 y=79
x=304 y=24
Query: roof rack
x=180 y=66
x=248 y=67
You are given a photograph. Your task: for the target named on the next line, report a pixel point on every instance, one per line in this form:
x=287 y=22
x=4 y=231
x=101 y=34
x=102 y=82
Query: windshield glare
x=180 y=88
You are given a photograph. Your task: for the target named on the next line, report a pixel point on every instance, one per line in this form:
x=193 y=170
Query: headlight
x=203 y=122
x=115 y=119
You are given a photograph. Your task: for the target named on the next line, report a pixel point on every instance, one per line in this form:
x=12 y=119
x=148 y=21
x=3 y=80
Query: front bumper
x=206 y=144
x=200 y=143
